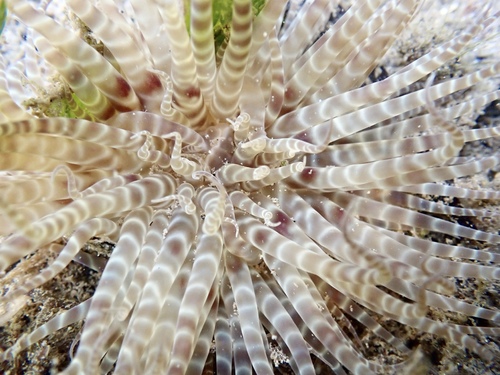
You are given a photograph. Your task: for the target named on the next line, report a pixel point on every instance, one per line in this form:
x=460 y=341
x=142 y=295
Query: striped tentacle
x=331 y=336
x=167 y=107
x=84 y=130
x=16 y=217
x=263 y=25
x=178 y=163
x=369 y=238
x=198 y=363
x=420 y=204
x=259 y=68
x=203 y=47
x=347 y=246
x=453 y=334
x=309 y=67
x=273 y=159
x=327 y=313
x=246 y=151
x=233 y=173
x=97 y=105
x=199 y=290
x=114 y=340
x=187 y=95
x=480 y=134
x=433 y=174
x=337 y=300
x=239 y=247
x=15 y=75
x=371 y=150
x=240 y=126
x=45 y=188
x=133 y=65
x=34 y=67
x=68 y=150
x=344 y=30
x=408 y=217
x=160 y=346
x=283 y=324
x=284 y=225
x=277 y=89
x=95 y=67
x=252 y=101
x=145 y=263
x=403 y=164
x=247 y=204
x=315 y=345
x=9 y=109
x=366 y=152
x=275 y=175
x=382 y=174
x=214 y=202
x=383 y=303
x=103 y=306
x=442 y=250
x=171 y=256
x=309 y=19
x=148 y=153
x=451 y=191
x=343 y=125
x=150 y=21
x=110 y=183
x=450 y=304
x=223 y=342
x=65 y=319
x=231 y=71
x=361 y=62
x=294 y=254
x=418 y=124
x=240 y=358
x=246 y=304
x=157 y=126
x=49 y=228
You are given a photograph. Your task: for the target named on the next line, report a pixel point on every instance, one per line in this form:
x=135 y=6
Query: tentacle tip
x=420 y=310
x=172 y=135
x=267 y=216
x=272 y=224
x=208 y=230
x=235 y=124
x=190 y=208
x=256 y=145
x=261 y=172
x=298 y=167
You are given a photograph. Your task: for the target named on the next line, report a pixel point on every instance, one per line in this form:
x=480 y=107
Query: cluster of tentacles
x=258 y=187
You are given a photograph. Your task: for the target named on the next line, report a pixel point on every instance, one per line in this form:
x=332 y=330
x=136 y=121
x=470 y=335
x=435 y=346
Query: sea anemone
x=264 y=189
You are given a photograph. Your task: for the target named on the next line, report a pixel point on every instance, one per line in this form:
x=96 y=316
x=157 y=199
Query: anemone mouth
x=259 y=190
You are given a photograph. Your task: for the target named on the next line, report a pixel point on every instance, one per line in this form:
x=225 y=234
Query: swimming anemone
x=261 y=191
